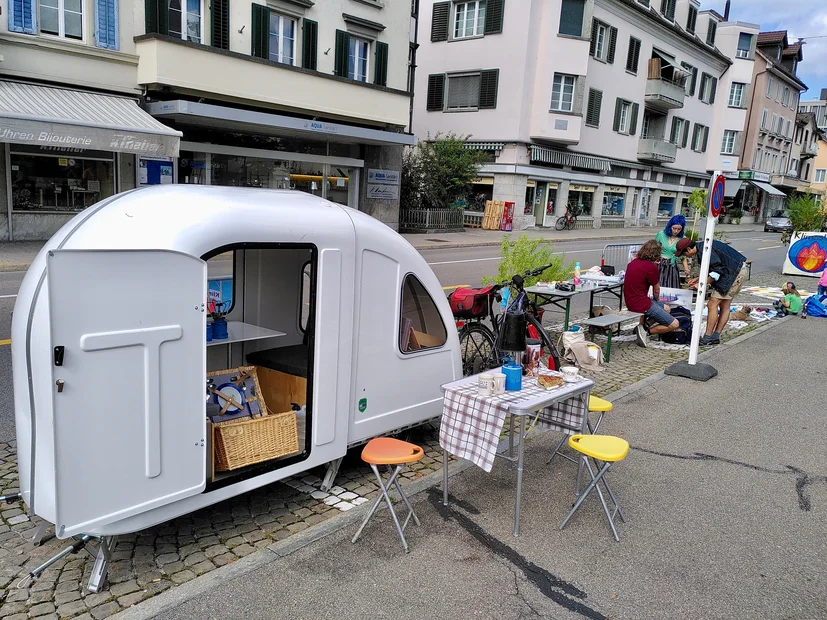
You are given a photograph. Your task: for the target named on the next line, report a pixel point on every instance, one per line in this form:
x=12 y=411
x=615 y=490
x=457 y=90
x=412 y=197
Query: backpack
x=816 y=305
x=682 y=335
x=470 y=303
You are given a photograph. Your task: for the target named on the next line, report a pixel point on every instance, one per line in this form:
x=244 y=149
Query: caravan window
x=421 y=325
x=304 y=314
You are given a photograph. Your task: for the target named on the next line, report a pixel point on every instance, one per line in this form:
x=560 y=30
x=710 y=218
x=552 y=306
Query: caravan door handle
x=59 y=384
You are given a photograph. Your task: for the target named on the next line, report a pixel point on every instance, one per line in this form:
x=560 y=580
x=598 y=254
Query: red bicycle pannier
x=470 y=303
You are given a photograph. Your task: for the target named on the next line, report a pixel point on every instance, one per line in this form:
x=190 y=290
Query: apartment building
x=818 y=107
x=818 y=183
x=311 y=96
x=804 y=151
x=768 y=162
x=606 y=106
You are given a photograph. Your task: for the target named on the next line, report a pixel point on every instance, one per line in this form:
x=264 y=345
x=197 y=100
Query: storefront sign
x=616 y=189
x=19 y=131
x=383 y=184
x=667 y=194
x=581 y=188
x=748 y=175
x=553 y=185
x=321 y=127
x=483 y=181
x=531 y=183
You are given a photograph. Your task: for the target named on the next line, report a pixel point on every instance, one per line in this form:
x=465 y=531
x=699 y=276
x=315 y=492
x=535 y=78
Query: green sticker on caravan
x=363 y=404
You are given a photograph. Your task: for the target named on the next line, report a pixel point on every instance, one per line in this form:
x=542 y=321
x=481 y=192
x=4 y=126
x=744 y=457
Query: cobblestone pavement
x=154 y=560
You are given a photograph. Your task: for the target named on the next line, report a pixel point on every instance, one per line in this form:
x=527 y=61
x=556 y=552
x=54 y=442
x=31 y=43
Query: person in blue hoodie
x=727 y=273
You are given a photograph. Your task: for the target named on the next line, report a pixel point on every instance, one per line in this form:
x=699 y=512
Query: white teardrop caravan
x=109 y=350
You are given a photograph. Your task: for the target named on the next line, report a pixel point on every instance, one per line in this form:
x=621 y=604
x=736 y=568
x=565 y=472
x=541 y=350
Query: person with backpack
x=727 y=273
x=641 y=274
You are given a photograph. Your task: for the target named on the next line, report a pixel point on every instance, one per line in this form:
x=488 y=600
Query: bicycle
x=785 y=237
x=568 y=220
x=480 y=344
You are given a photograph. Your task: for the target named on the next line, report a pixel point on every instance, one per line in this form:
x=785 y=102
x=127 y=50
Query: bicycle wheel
x=561 y=223
x=572 y=221
x=548 y=343
x=476 y=346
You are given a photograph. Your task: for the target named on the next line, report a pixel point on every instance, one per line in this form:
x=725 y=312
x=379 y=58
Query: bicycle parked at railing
x=480 y=345
x=569 y=220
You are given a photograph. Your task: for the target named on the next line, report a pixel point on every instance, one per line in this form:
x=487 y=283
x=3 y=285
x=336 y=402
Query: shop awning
x=766 y=187
x=265 y=123
x=731 y=188
x=485 y=146
x=549 y=155
x=60 y=117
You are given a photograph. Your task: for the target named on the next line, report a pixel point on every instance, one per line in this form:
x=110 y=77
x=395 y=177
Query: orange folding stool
x=389 y=451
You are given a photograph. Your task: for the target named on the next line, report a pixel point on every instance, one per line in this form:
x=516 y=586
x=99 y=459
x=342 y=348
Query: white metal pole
x=709 y=232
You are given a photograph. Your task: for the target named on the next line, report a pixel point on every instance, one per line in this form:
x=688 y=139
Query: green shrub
x=805 y=214
x=520 y=255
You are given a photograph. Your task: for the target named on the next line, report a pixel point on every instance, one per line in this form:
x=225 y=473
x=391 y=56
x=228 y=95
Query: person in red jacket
x=642 y=273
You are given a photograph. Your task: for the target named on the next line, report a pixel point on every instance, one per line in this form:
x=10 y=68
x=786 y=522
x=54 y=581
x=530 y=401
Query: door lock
x=59 y=384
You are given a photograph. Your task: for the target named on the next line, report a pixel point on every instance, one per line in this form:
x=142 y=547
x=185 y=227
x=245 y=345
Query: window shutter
x=695 y=136
x=380 y=75
x=260 y=31
x=489 y=81
x=633 y=119
x=710 y=33
x=673 y=133
x=610 y=56
x=702 y=88
x=736 y=147
x=633 y=56
x=745 y=96
x=106 y=24
x=694 y=81
x=706 y=139
x=310 y=44
x=692 y=19
x=157 y=15
x=593 y=43
x=436 y=92
x=440 y=17
x=593 y=107
x=685 y=134
x=342 y=50
x=494 y=12
x=713 y=89
x=618 y=105
x=22 y=16
x=220 y=24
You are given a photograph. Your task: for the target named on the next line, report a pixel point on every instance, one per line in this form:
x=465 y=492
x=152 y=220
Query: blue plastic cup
x=513 y=377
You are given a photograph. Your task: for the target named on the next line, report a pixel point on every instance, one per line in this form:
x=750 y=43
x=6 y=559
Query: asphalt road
x=453 y=267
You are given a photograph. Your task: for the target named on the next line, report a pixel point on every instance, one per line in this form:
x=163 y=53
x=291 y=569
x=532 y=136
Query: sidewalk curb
x=179 y=595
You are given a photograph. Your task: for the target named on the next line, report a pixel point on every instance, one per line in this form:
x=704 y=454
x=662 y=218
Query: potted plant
x=735 y=215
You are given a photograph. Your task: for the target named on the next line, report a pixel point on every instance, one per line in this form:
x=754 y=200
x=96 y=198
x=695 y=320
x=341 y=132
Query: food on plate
x=549 y=381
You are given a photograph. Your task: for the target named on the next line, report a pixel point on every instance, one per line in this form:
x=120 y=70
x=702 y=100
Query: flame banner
x=807 y=254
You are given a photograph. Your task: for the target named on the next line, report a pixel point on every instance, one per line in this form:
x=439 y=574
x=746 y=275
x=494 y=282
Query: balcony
x=664 y=94
x=197 y=69
x=809 y=150
x=656 y=150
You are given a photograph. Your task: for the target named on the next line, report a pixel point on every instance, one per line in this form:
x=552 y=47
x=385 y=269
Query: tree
x=438 y=172
x=805 y=214
x=520 y=255
x=697 y=203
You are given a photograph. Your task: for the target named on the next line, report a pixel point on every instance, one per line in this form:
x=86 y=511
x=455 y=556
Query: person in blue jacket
x=727 y=273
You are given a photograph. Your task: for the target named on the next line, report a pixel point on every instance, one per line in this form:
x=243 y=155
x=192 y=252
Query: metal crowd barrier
x=619 y=255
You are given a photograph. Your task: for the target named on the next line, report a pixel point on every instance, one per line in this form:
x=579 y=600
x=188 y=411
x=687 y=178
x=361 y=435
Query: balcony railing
x=809 y=150
x=664 y=94
x=656 y=150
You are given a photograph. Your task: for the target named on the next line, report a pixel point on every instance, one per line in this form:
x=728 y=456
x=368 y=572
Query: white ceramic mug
x=499 y=383
x=485 y=384
x=569 y=373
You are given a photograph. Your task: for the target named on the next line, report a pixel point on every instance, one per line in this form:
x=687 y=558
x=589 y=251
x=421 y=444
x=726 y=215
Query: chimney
x=726 y=11
x=824 y=94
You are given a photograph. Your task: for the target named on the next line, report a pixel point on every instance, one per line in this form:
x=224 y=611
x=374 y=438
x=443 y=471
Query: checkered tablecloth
x=471 y=424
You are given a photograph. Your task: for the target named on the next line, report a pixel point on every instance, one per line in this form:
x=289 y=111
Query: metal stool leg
x=592 y=485
x=383 y=490
x=618 y=509
x=557 y=450
x=609 y=517
x=404 y=497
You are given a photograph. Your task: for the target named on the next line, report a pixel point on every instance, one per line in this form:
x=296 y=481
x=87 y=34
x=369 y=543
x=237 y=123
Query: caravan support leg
x=101 y=567
x=330 y=476
x=40 y=533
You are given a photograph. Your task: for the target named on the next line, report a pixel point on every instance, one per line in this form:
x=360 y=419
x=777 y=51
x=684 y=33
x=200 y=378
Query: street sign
x=717 y=195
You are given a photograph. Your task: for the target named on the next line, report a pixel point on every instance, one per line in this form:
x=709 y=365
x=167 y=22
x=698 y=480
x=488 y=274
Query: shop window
x=282 y=34
x=185 y=19
x=580 y=201
x=357 y=59
x=62 y=18
x=665 y=206
x=60 y=182
x=613 y=203
x=421 y=325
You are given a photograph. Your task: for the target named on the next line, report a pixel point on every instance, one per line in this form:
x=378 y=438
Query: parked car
x=779 y=221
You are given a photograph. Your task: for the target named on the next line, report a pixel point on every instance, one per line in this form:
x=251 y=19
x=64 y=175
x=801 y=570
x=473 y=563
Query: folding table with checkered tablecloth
x=471 y=424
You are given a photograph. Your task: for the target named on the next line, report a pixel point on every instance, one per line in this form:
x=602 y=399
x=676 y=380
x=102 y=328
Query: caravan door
x=128 y=338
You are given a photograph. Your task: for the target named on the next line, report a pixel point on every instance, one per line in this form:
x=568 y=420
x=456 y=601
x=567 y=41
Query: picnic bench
x=606 y=324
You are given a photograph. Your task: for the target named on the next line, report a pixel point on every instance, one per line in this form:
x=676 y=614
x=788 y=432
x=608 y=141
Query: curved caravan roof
x=198 y=219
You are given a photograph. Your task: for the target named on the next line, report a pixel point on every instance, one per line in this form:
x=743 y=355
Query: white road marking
x=477 y=260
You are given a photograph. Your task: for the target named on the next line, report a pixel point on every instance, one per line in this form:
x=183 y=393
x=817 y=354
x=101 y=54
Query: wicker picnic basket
x=246 y=441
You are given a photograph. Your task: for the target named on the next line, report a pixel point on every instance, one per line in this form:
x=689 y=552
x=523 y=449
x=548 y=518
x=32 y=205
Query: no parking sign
x=717 y=195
